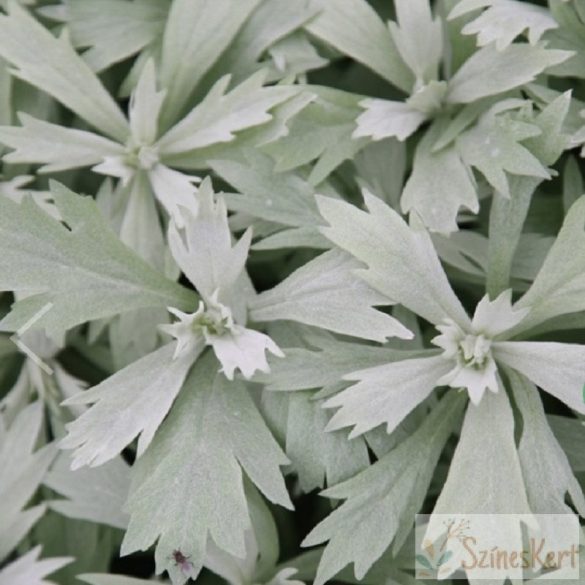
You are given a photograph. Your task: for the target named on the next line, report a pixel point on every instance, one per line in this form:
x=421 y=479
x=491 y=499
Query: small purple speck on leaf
x=182 y=562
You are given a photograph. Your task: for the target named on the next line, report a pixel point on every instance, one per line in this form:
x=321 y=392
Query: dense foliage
x=280 y=274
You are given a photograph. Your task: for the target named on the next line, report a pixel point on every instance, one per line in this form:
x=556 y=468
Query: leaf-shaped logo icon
x=445 y=557
x=424 y=562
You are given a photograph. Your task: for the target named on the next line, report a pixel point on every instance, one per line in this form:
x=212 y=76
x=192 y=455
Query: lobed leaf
x=56 y=147
x=114 y=30
x=220 y=115
x=96 y=495
x=558 y=288
x=132 y=403
x=381 y=501
x=545 y=466
x=80 y=272
x=516 y=65
x=196 y=34
x=213 y=434
x=61 y=73
x=354 y=28
x=558 y=368
x=401 y=261
x=29 y=570
x=504 y=20
x=386 y=394
x=317 y=293
x=439 y=186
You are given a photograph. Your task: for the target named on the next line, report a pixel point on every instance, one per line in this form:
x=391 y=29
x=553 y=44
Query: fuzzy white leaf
x=244 y=350
x=282 y=197
x=131 y=403
x=419 y=38
x=494 y=317
x=174 y=190
x=570 y=433
x=29 y=570
x=547 y=472
x=196 y=34
x=62 y=73
x=204 y=250
x=354 y=28
x=493 y=146
x=96 y=495
x=384 y=118
x=303 y=237
x=262 y=547
x=220 y=115
x=382 y=500
x=56 y=147
x=504 y=20
x=322 y=130
x=140 y=228
x=294 y=56
x=554 y=137
x=381 y=169
x=486 y=450
x=558 y=368
x=268 y=133
x=271 y=24
x=81 y=272
x=23 y=470
x=439 y=186
x=316 y=455
x=212 y=435
x=386 y=394
x=324 y=366
x=145 y=104
x=115 y=29
x=317 y=293
x=559 y=286
x=401 y=261
x=515 y=66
